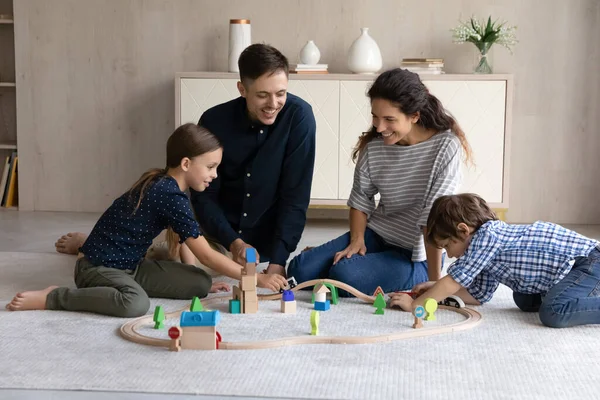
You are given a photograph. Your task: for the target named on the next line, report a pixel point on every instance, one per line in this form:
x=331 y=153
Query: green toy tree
x=379 y=303
x=159 y=317
x=196 y=304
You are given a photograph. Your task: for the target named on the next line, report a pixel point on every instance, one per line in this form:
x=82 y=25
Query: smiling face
x=265 y=96
x=202 y=169
x=393 y=125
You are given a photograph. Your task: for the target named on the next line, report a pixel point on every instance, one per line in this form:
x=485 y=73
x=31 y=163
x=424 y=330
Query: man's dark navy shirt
x=262 y=191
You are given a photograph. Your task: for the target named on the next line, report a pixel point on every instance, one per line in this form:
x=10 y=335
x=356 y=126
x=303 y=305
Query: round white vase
x=239 y=39
x=364 y=56
x=310 y=53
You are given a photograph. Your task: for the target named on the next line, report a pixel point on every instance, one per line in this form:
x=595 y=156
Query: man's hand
x=219 y=287
x=238 y=252
x=422 y=287
x=275 y=269
x=355 y=247
x=402 y=300
x=272 y=282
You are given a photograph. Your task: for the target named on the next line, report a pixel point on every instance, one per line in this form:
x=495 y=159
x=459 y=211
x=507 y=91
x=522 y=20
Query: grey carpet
x=508 y=356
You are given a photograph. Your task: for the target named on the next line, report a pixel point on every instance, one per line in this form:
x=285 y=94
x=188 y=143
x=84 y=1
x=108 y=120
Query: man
x=261 y=195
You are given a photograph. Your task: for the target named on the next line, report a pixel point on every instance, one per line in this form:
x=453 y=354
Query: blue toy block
x=250 y=255
x=322 y=306
x=288 y=295
x=234 y=306
x=199 y=318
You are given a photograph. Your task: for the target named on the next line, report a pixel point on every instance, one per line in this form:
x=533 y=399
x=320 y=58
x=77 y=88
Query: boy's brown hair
x=449 y=211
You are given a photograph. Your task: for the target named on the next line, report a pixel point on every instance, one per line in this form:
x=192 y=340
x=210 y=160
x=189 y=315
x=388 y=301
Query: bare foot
x=33 y=300
x=70 y=243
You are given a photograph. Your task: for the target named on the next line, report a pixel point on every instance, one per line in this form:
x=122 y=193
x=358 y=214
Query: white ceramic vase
x=310 y=54
x=239 y=39
x=364 y=56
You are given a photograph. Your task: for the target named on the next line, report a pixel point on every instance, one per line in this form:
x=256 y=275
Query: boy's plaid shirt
x=526 y=258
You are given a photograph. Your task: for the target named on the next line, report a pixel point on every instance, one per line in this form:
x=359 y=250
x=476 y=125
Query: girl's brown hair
x=450 y=210
x=173 y=244
x=406 y=91
x=189 y=140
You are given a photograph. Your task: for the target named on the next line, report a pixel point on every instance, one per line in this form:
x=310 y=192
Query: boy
x=549 y=268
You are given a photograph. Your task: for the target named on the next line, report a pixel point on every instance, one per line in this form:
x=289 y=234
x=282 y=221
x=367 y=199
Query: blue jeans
x=384 y=265
x=575 y=300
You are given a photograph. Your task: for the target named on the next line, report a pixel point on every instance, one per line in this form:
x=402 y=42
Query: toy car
x=291 y=284
x=452 y=301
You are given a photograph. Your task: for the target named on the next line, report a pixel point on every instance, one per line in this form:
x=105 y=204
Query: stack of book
x=8 y=181
x=308 y=69
x=424 y=65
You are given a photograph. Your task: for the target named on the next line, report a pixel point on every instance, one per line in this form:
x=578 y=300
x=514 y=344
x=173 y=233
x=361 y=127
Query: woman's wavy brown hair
x=405 y=90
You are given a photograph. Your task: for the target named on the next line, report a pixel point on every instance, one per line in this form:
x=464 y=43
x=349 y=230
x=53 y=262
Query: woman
x=411 y=156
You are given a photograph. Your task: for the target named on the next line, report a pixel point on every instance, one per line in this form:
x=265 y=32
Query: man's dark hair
x=259 y=59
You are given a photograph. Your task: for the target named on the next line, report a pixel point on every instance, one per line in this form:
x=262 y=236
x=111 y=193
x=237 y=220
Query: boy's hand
x=272 y=282
x=422 y=287
x=219 y=287
x=402 y=300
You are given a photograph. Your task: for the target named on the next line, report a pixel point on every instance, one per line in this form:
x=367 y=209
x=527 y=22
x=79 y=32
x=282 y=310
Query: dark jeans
x=387 y=266
x=120 y=293
x=575 y=300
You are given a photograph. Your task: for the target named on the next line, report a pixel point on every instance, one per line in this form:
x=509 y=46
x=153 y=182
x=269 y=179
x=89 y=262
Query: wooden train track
x=130 y=332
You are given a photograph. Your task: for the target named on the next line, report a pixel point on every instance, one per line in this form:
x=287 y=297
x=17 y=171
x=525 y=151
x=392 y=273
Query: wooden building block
x=288 y=307
x=234 y=306
x=248 y=283
x=250 y=296
x=430 y=306
x=249 y=269
x=239 y=295
x=418 y=323
x=250 y=307
x=314 y=323
x=199 y=338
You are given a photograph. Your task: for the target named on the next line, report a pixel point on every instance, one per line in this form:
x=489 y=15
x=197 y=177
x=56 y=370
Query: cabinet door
x=324 y=98
x=198 y=94
x=479 y=107
x=355 y=118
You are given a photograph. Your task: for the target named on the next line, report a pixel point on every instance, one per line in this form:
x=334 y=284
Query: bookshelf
x=8 y=107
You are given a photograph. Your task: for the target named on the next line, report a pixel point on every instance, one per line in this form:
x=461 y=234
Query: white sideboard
x=480 y=103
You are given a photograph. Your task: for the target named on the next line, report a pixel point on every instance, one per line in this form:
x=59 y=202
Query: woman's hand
x=357 y=247
x=272 y=282
x=219 y=287
x=402 y=300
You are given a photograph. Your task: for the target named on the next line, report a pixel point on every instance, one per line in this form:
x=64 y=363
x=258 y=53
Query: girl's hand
x=422 y=287
x=272 y=282
x=357 y=247
x=219 y=287
x=402 y=300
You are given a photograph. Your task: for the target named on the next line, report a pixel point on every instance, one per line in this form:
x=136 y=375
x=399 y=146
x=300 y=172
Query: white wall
x=95 y=84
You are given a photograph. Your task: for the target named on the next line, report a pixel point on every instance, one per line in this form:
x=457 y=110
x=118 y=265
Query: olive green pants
x=120 y=293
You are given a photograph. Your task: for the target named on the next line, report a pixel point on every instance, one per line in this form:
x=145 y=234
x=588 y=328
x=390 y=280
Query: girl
x=111 y=273
x=411 y=156
x=549 y=268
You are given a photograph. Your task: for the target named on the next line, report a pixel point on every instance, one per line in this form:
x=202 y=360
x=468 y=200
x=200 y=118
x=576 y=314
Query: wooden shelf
x=7 y=21
x=8 y=145
x=8 y=84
